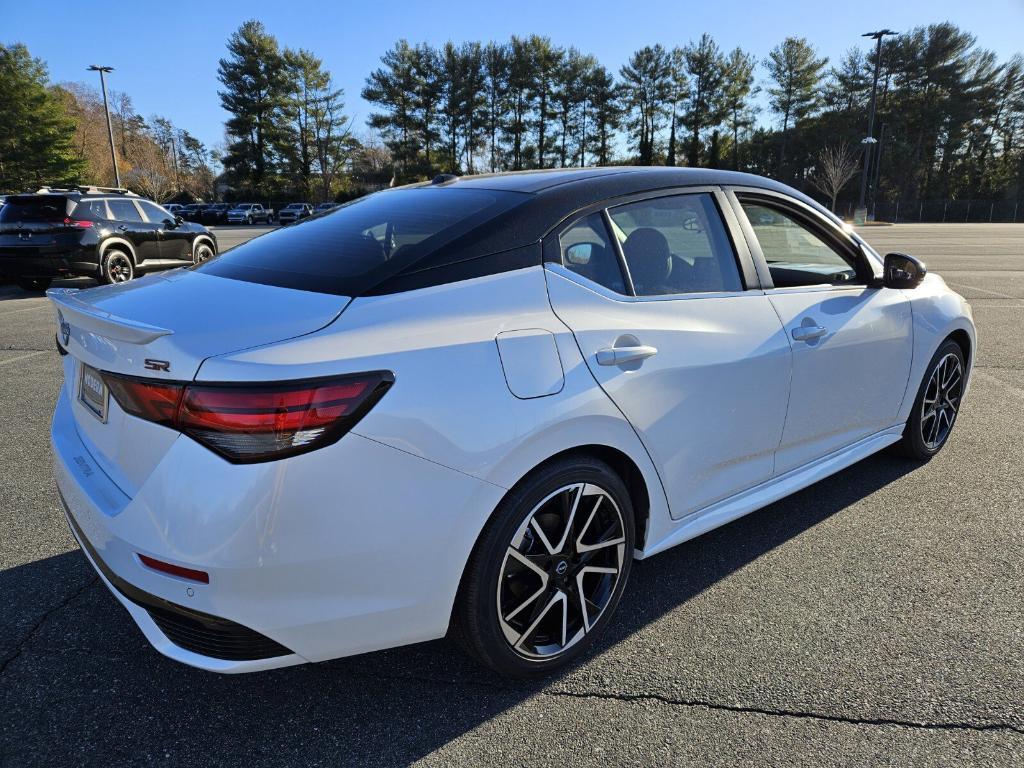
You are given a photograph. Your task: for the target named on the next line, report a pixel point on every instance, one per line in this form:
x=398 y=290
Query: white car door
x=852 y=343
x=654 y=292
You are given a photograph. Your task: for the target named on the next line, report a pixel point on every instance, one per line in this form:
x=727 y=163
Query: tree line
x=950 y=116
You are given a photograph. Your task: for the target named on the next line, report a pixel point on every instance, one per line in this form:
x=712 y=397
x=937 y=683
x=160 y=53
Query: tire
x=544 y=625
x=203 y=251
x=248 y=221
x=34 y=284
x=929 y=426
x=117 y=266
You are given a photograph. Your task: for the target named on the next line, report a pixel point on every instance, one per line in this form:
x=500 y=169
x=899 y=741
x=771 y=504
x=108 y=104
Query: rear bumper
x=352 y=548
x=31 y=262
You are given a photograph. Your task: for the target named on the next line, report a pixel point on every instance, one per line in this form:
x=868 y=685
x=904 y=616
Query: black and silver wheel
x=248 y=221
x=937 y=404
x=117 y=266
x=548 y=570
x=202 y=252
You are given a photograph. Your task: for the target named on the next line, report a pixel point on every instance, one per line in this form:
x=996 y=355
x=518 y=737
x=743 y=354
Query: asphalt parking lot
x=876 y=618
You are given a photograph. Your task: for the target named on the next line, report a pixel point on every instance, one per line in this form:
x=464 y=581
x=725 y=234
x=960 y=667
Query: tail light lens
x=77 y=223
x=254 y=422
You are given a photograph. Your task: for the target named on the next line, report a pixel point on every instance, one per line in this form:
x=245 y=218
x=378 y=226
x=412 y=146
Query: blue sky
x=166 y=53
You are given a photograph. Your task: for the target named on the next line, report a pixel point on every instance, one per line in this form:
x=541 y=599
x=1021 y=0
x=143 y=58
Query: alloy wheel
x=201 y=253
x=119 y=268
x=560 y=571
x=941 y=401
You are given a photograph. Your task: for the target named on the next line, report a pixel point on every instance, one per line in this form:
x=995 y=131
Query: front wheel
x=549 y=569
x=937 y=404
x=202 y=252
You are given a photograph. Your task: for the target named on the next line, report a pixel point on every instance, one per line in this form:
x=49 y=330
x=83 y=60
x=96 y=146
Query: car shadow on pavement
x=90 y=690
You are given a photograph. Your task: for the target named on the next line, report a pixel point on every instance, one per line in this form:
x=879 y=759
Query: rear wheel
x=117 y=266
x=34 y=284
x=548 y=570
x=937 y=404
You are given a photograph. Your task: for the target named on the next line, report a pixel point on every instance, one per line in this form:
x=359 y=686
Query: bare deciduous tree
x=836 y=166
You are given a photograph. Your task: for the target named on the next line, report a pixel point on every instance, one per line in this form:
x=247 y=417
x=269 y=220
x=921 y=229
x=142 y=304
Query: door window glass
x=676 y=244
x=795 y=255
x=124 y=210
x=154 y=212
x=587 y=251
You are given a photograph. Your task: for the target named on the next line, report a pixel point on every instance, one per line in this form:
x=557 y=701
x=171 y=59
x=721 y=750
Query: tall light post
x=106 y=108
x=859 y=215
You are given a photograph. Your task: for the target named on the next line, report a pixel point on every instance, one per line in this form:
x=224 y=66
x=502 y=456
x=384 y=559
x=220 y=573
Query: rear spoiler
x=81 y=314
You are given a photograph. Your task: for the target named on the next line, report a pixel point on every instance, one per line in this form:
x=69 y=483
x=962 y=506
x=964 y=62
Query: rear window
x=44 y=208
x=92 y=210
x=364 y=241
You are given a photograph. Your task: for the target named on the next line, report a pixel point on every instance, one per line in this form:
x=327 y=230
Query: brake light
x=69 y=222
x=254 y=422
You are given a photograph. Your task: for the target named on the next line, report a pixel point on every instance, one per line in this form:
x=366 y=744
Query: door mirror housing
x=902 y=270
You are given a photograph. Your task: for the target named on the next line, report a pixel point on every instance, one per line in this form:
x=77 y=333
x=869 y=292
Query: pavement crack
x=21 y=644
x=629 y=698
x=789 y=713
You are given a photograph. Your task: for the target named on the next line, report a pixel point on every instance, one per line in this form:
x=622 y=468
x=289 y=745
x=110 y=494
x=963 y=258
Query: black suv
x=216 y=213
x=109 y=234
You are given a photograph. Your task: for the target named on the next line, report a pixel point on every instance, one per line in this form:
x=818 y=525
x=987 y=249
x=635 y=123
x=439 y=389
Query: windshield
x=363 y=241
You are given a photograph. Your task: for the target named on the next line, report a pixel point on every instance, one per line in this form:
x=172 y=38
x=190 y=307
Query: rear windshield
x=362 y=242
x=44 y=208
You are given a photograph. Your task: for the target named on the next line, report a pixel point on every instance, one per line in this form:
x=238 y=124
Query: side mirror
x=902 y=270
x=578 y=254
x=178 y=220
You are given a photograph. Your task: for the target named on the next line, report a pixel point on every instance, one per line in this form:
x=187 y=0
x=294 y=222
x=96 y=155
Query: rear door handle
x=808 y=332
x=624 y=355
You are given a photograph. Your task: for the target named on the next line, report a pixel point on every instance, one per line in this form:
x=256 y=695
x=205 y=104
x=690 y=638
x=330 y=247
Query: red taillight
x=69 y=222
x=247 y=423
x=175 y=570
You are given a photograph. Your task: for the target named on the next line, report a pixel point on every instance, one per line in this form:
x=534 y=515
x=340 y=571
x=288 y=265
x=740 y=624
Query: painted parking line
x=24 y=357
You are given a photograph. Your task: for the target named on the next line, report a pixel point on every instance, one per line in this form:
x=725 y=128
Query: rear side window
x=587 y=251
x=92 y=210
x=676 y=244
x=41 y=208
x=123 y=210
x=363 y=241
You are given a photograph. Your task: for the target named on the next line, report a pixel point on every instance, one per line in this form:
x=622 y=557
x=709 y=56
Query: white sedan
x=468 y=405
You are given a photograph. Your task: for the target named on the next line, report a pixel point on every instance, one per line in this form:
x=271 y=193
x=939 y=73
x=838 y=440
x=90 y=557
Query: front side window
x=676 y=244
x=124 y=210
x=587 y=250
x=154 y=212
x=796 y=256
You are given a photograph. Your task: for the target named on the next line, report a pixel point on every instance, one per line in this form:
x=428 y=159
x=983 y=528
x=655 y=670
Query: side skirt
x=727 y=510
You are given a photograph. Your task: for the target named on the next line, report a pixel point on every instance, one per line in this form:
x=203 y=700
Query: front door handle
x=808 y=332
x=624 y=355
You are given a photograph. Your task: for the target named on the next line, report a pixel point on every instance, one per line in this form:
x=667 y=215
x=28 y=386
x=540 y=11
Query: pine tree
x=704 y=108
x=797 y=71
x=36 y=133
x=255 y=82
x=737 y=90
x=646 y=90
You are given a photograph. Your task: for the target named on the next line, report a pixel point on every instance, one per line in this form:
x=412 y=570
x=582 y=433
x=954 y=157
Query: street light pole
x=106 y=109
x=859 y=214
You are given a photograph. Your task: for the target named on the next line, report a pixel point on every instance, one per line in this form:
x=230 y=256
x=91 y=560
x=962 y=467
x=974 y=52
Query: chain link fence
x=941 y=211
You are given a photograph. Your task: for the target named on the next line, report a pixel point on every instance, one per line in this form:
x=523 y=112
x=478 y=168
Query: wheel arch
x=963 y=340
x=121 y=244
x=204 y=238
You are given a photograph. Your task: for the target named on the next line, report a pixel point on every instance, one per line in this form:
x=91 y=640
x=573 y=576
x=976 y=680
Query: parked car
x=475 y=402
x=191 y=211
x=174 y=208
x=250 y=213
x=215 y=213
x=293 y=212
x=109 y=234
x=324 y=207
